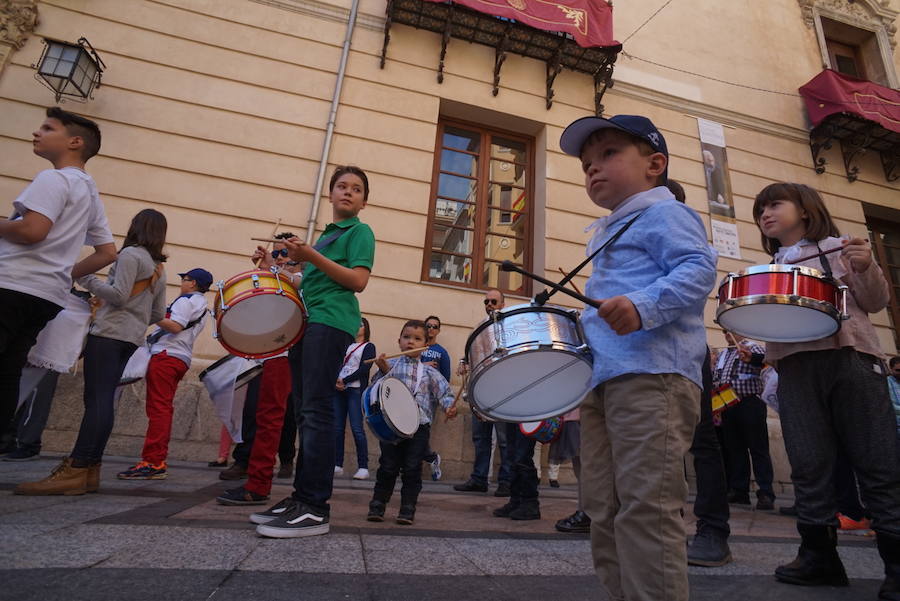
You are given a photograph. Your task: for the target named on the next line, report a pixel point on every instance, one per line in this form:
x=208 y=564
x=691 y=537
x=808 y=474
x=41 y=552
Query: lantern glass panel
x=84 y=74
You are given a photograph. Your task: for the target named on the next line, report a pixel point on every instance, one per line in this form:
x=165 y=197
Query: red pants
x=163 y=375
x=274 y=390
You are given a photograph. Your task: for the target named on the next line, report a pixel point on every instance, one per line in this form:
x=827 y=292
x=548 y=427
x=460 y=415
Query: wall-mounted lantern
x=69 y=69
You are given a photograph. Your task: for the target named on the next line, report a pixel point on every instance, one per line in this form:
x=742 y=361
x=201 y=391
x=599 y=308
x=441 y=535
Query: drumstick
x=270 y=240
x=274 y=231
x=574 y=287
x=412 y=350
x=815 y=256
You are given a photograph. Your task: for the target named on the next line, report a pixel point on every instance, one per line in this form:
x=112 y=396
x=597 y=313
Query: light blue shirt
x=666 y=267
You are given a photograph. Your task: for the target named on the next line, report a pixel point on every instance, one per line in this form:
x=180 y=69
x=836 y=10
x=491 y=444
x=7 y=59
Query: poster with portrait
x=718 y=189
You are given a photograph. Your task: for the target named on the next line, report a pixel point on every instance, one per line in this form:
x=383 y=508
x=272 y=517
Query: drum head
x=260 y=325
x=399 y=406
x=529 y=428
x=533 y=385
x=778 y=323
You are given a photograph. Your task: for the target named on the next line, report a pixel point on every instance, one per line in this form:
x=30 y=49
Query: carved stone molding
x=18 y=18
x=866 y=14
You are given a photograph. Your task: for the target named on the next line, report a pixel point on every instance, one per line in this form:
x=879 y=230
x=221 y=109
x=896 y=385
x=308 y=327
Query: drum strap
x=330 y=238
x=826 y=266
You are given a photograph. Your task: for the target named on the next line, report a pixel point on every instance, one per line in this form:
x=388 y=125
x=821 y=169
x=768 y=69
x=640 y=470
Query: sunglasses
x=279 y=253
x=431 y=326
x=491 y=301
x=187 y=278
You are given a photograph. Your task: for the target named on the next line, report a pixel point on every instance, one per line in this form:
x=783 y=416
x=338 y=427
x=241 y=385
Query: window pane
x=506 y=197
x=504 y=172
x=450 y=268
x=504 y=248
x=507 y=223
x=459 y=162
x=462 y=139
x=508 y=150
x=453 y=186
x=450 y=212
x=510 y=281
x=452 y=239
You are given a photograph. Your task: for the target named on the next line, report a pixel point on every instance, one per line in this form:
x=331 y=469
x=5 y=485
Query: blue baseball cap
x=203 y=278
x=577 y=133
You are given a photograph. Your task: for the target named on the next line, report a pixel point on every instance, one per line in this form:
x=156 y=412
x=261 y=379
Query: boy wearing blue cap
x=171 y=347
x=648 y=341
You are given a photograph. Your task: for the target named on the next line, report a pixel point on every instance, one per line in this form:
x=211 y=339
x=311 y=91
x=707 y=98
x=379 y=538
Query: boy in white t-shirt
x=172 y=345
x=57 y=214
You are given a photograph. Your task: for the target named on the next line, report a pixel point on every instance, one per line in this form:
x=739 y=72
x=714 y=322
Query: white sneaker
x=361 y=474
x=338 y=470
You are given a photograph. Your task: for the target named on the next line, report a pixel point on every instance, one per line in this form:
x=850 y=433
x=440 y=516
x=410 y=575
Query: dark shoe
x=470 y=486
x=790 y=511
x=503 y=512
x=554 y=484
x=577 y=523
x=502 y=489
x=765 y=503
x=241 y=496
x=275 y=511
x=235 y=472
x=223 y=463
x=21 y=454
x=376 y=511
x=526 y=511
x=738 y=498
x=889 y=549
x=285 y=470
x=708 y=549
x=407 y=515
x=144 y=470
x=298 y=521
x=817 y=562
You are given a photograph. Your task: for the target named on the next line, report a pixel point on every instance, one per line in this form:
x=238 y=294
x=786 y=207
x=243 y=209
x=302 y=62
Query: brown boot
x=93 y=478
x=64 y=480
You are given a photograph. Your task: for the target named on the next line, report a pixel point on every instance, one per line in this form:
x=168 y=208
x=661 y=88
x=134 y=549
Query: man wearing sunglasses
x=437 y=357
x=482 y=432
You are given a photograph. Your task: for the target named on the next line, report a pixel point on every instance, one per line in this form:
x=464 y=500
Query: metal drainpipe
x=329 y=132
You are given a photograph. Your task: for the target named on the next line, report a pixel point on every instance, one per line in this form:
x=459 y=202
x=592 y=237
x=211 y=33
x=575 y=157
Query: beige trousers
x=635 y=432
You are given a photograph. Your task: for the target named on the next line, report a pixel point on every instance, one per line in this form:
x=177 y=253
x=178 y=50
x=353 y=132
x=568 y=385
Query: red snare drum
x=781 y=303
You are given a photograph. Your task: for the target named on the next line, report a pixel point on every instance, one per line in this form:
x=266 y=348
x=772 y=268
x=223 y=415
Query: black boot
x=817 y=562
x=889 y=549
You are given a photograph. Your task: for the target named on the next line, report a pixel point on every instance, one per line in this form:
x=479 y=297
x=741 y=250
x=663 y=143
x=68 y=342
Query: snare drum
x=258 y=314
x=528 y=363
x=781 y=303
x=229 y=371
x=390 y=410
x=545 y=431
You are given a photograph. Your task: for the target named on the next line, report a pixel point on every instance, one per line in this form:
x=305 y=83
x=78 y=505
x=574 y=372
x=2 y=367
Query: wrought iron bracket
x=554 y=67
x=602 y=81
x=387 y=30
x=851 y=148
x=499 y=58
x=821 y=138
x=891 y=164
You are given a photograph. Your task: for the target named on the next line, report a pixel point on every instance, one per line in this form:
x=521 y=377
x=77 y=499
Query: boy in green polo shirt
x=338 y=267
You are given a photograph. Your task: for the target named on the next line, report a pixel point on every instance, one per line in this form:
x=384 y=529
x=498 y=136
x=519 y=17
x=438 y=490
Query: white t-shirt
x=181 y=345
x=67 y=197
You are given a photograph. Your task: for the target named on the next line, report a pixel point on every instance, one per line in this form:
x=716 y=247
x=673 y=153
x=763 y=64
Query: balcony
x=557 y=49
x=862 y=116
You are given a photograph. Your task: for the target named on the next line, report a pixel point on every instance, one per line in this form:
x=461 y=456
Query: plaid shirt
x=433 y=388
x=743 y=377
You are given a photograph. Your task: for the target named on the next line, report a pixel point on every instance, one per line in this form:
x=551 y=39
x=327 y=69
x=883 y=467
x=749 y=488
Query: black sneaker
x=554 y=484
x=578 y=522
x=241 y=496
x=738 y=498
x=765 y=503
x=709 y=549
x=502 y=489
x=376 y=511
x=21 y=455
x=470 y=486
x=273 y=512
x=285 y=470
x=407 y=515
x=300 y=520
x=526 y=511
x=503 y=512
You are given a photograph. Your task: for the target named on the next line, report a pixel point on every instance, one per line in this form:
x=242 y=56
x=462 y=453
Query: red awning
x=831 y=92
x=588 y=21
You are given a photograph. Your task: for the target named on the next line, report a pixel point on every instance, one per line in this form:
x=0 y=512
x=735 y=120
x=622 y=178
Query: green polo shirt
x=327 y=302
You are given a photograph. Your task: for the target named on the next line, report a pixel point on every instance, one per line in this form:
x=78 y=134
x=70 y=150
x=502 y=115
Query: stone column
x=18 y=18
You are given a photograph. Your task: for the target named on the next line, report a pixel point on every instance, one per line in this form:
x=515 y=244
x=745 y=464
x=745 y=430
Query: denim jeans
x=348 y=402
x=481 y=438
x=104 y=362
x=520 y=455
x=315 y=363
x=402 y=459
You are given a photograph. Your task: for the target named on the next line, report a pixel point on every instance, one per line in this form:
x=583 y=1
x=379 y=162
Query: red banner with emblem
x=589 y=21
x=831 y=92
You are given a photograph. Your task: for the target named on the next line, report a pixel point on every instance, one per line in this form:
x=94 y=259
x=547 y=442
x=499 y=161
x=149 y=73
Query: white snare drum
x=229 y=372
x=528 y=363
x=390 y=410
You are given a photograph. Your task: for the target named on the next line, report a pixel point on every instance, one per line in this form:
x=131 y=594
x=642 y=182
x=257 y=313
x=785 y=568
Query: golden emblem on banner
x=573 y=13
x=517 y=4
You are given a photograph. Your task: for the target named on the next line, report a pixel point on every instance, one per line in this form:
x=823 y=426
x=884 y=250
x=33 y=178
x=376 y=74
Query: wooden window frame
x=480 y=231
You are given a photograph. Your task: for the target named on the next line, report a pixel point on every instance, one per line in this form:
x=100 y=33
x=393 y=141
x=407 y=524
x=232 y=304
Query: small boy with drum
x=648 y=342
x=404 y=458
